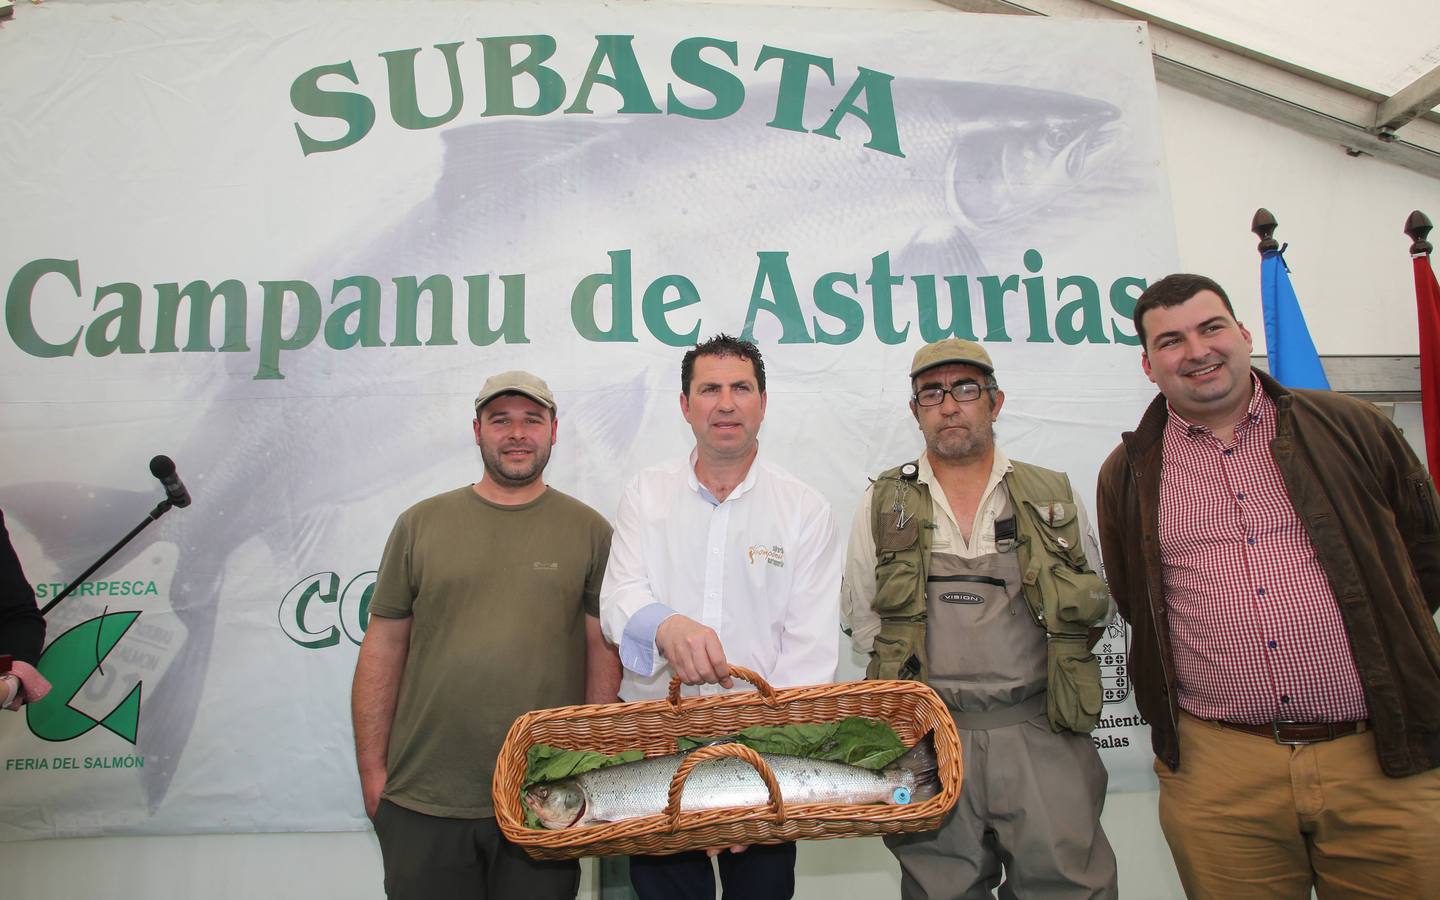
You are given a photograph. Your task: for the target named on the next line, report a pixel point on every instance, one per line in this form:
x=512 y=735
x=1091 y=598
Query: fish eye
x=1059 y=137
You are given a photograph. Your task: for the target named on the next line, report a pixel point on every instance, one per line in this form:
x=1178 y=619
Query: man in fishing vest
x=971 y=572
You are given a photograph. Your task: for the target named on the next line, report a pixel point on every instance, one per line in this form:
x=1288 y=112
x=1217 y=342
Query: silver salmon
x=632 y=790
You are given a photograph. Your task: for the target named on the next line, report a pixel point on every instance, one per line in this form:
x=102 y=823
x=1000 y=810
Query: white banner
x=284 y=244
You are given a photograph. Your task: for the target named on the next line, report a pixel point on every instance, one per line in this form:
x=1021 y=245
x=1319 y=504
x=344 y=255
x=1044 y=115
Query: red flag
x=1427 y=296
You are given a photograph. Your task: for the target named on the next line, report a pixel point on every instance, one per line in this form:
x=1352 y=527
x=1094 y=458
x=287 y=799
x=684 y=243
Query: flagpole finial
x=1264 y=225
x=1418 y=228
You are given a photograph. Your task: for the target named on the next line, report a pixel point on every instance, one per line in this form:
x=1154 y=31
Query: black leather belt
x=1299 y=732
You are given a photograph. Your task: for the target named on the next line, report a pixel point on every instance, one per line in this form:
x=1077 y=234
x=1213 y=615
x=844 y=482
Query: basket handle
x=715 y=751
x=739 y=672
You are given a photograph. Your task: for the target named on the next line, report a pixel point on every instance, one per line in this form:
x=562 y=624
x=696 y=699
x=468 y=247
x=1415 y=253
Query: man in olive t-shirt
x=484 y=608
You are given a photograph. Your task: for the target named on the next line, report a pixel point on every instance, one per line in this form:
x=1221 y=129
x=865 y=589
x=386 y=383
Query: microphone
x=163 y=468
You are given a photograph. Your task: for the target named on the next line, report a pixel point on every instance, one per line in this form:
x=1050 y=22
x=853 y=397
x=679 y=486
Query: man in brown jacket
x=1277 y=554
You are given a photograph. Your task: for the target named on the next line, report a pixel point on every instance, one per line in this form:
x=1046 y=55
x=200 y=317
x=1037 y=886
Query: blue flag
x=1293 y=360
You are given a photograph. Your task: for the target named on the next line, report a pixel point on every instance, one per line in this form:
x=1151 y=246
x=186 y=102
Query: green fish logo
x=69 y=662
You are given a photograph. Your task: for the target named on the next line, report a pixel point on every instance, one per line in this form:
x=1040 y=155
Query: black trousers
x=432 y=858
x=764 y=872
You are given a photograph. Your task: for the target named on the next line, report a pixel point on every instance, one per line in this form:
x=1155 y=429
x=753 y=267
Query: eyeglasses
x=962 y=391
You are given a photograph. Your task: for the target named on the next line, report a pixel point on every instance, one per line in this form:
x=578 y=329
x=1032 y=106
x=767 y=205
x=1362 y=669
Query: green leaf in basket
x=863 y=742
x=546 y=763
x=857 y=740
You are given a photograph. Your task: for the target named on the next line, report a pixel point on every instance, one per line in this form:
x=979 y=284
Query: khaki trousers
x=1248 y=817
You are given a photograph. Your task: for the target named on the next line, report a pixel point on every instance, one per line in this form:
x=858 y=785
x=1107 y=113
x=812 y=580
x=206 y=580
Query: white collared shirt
x=761 y=567
x=858 y=589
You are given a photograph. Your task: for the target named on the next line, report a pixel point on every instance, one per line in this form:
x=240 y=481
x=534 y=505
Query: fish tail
x=921 y=764
x=943 y=247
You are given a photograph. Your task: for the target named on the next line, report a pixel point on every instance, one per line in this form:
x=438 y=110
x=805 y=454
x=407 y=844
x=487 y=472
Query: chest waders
x=991 y=615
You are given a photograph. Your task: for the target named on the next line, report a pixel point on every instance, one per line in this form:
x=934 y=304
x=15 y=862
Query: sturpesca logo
x=69 y=662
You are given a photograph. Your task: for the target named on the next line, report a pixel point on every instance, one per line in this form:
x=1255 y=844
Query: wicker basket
x=910 y=708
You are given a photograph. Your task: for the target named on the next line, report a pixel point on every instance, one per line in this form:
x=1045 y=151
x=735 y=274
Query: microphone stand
x=160 y=509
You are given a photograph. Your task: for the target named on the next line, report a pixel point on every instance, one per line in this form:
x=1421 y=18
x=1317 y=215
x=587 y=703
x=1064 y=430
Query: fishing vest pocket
x=898 y=652
x=896 y=581
x=1081 y=598
x=1075 y=696
x=1058 y=525
x=897 y=532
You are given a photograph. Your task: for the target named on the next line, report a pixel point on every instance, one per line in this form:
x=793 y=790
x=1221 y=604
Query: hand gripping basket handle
x=740 y=672
x=715 y=751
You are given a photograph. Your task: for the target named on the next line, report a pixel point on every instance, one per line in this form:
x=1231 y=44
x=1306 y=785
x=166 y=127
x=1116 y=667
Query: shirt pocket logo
x=773 y=555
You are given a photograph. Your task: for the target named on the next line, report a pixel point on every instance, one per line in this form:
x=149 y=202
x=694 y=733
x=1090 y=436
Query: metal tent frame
x=1401 y=128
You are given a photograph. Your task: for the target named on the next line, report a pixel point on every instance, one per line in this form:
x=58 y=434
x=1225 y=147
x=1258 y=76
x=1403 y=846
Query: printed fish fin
x=940 y=247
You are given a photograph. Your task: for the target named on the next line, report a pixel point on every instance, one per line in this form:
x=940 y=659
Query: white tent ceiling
x=1380 y=46
x=1365 y=75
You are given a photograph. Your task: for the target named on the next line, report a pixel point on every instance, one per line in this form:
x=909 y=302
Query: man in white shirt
x=716 y=559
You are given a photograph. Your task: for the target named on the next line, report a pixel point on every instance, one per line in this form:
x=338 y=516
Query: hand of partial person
x=733 y=848
x=694 y=651
x=30 y=685
x=372 y=787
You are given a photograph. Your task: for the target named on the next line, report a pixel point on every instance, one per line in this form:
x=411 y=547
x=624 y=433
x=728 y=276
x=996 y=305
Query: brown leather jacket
x=1373 y=516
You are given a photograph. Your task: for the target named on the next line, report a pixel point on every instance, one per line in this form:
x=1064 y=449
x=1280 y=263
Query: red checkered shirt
x=1254 y=627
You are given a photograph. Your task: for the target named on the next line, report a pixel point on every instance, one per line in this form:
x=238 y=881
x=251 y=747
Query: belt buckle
x=1275 y=731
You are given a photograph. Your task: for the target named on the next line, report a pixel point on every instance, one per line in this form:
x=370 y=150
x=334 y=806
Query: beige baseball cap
x=951 y=350
x=515 y=382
